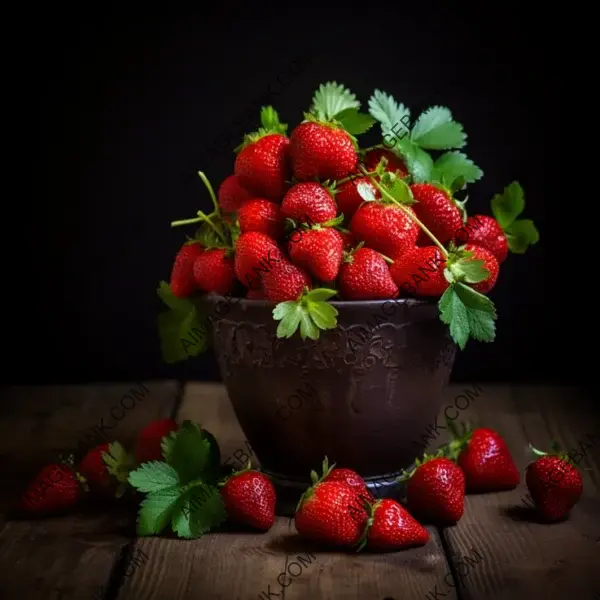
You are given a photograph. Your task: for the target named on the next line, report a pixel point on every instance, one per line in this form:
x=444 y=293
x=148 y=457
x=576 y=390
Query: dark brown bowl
x=362 y=394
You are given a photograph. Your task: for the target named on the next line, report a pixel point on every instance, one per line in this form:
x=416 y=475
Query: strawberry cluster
x=313 y=217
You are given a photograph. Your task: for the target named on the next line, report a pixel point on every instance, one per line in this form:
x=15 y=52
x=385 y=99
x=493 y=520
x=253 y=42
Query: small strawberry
x=554 y=483
x=213 y=271
x=364 y=275
x=285 y=282
x=353 y=479
x=394 y=164
x=182 y=276
x=420 y=271
x=106 y=468
x=489 y=262
x=262 y=165
x=148 y=443
x=485 y=232
x=384 y=227
x=232 y=196
x=437 y=211
x=436 y=490
x=319 y=250
x=249 y=498
x=349 y=199
x=391 y=527
x=255 y=255
x=261 y=215
x=309 y=202
x=93 y=468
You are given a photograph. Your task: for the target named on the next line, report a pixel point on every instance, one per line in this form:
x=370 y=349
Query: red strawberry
x=364 y=275
x=255 y=255
x=213 y=271
x=489 y=262
x=148 y=443
x=255 y=295
x=261 y=215
x=484 y=231
x=262 y=166
x=437 y=211
x=392 y=527
x=182 y=275
x=436 y=490
x=347 y=197
x=318 y=250
x=322 y=151
x=394 y=164
x=420 y=271
x=232 y=196
x=384 y=227
x=285 y=282
x=484 y=457
x=555 y=485
x=353 y=479
x=93 y=468
x=309 y=202
x=349 y=241
x=249 y=498
x=55 y=488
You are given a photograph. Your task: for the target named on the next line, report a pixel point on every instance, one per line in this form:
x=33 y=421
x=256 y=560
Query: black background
x=121 y=111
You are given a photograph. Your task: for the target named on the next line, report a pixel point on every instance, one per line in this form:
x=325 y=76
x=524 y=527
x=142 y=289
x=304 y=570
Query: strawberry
x=261 y=215
x=485 y=459
x=420 y=271
x=93 y=467
x=255 y=255
x=213 y=271
x=391 y=527
x=348 y=239
x=321 y=150
x=436 y=490
x=437 y=211
x=394 y=164
x=285 y=282
x=182 y=275
x=249 y=498
x=384 y=227
x=489 y=262
x=309 y=202
x=347 y=197
x=148 y=443
x=106 y=468
x=364 y=275
x=55 y=488
x=485 y=232
x=554 y=483
x=232 y=196
x=353 y=479
x=319 y=250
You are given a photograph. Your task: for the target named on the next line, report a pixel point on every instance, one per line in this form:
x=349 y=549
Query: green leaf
x=397 y=188
x=393 y=116
x=190 y=453
x=331 y=99
x=153 y=477
x=166 y=445
x=289 y=322
x=199 y=510
x=308 y=329
x=323 y=314
x=156 y=510
x=475 y=300
x=508 y=205
x=270 y=120
x=418 y=162
x=282 y=309
x=436 y=130
x=173 y=302
x=454 y=313
x=118 y=462
x=354 y=122
x=520 y=235
x=320 y=294
x=208 y=237
x=467 y=270
x=455 y=165
x=365 y=191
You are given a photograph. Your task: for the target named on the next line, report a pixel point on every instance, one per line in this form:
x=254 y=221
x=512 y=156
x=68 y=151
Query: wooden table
x=495 y=552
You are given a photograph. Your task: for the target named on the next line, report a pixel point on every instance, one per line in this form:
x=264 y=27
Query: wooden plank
x=70 y=557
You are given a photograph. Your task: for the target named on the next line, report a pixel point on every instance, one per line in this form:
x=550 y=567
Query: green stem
x=201 y=217
x=407 y=212
x=210 y=191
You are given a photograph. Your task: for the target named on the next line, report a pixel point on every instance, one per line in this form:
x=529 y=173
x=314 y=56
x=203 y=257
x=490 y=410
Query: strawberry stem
x=201 y=217
x=210 y=191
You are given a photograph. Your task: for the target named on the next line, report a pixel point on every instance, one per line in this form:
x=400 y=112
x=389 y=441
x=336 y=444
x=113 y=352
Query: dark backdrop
x=121 y=112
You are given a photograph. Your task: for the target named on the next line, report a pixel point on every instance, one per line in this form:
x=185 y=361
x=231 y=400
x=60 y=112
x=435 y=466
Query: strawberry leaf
x=520 y=235
x=365 y=191
x=190 y=453
x=156 y=510
x=436 y=130
x=320 y=295
x=200 y=508
x=308 y=329
x=118 y=462
x=270 y=120
x=323 y=314
x=289 y=321
x=354 y=122
x=461 y=266
x=397 y=188
x=331 y=99
x=452 y=167
x=393 y=116
x=508 y=205
x=153 y=477
x=418 y=162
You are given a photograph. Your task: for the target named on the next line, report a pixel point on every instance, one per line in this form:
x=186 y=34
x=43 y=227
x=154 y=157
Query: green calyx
x=316 y=479
x=460 y=439
x=270 y=124
x=461 y=267
x=419 y=462
x=245 y=469
x=556 y=451
x=370 y=510
x=348 y=256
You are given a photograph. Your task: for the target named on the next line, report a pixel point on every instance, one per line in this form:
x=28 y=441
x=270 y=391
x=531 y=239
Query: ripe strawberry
x=309 y=202
x=320 y=150
x=420 y=271
x=485 y=232
x=385 y=228
x=249 y=498
x=262 y=166
x=93 y=468
x=285 y=282
x=555 y=485
x=391 y=527
x=213 y=271
x=232 y=196
x=485 y=459
x=436 y=490
x=261 y=215
x=394 y=164
x=353 y=479
x=489 y=262
x=147 y=446
x=255 y=255
x=364 y=275
x=437 y=211
x=182 y=275
x=55 y=488
x=347 y=197
x=318 y=250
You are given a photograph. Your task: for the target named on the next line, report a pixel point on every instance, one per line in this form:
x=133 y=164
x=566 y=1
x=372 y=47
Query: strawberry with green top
x=365 y=275
x=106 y=467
